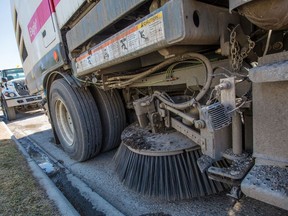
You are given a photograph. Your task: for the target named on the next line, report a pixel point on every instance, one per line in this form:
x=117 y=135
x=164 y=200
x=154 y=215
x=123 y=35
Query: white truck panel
x=40 y=44
x=65 y=9
x=37 y=21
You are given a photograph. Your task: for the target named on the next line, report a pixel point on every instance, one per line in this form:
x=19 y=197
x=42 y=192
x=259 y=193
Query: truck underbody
x=195 y=92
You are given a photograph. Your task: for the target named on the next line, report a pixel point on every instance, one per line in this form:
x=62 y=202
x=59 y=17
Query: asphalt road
x=100 y=177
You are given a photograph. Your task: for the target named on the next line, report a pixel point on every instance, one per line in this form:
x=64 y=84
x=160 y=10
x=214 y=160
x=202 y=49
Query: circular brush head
x=162 y=165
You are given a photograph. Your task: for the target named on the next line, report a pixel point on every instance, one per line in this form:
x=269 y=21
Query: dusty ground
x=99 y=175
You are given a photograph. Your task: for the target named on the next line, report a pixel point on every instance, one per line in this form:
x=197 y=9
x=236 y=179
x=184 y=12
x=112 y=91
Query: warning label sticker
x=142 y=35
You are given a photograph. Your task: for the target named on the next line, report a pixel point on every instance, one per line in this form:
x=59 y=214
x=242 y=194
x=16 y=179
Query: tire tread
x=88 y=113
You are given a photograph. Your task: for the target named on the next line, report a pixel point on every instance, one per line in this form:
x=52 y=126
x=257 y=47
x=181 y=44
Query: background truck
x=15 y=94
x=195 y=91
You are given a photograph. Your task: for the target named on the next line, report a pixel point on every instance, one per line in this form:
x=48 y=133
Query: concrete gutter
x=54 y=194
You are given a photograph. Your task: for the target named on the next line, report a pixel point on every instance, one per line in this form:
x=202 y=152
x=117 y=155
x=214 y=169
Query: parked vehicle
x=205 y=81
x=15 y=94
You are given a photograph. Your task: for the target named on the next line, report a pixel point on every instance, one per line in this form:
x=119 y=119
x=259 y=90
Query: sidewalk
x=25 y=189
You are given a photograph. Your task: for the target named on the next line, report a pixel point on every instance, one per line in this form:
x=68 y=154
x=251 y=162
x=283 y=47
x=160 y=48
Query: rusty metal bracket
x=193 y=135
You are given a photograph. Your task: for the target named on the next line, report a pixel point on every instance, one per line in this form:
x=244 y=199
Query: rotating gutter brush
x=162 y=165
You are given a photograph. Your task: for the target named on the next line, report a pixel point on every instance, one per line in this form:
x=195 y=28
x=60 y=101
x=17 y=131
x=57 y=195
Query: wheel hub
x=65 y=122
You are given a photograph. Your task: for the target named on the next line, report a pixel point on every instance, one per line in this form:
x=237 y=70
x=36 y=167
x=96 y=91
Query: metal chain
x=238 y=54
x=234 y=51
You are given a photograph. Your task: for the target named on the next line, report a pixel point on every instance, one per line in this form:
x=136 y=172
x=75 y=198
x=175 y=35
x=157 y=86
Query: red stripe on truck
x=56 y=2
x=53 y=4
x=40 y=17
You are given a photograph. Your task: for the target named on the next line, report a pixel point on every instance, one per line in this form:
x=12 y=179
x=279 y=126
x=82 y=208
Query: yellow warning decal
x=150 y=20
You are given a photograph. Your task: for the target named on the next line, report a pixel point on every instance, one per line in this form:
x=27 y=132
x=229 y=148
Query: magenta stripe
x=40 y=17
x=56 y=2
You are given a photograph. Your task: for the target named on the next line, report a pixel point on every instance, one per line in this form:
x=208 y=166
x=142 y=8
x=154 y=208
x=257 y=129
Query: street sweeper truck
x=192 y=92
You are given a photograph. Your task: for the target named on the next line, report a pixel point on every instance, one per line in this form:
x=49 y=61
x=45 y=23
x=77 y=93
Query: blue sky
x=9 y=56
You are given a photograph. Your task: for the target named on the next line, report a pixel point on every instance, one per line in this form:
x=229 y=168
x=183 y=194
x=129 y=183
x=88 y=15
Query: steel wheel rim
x=65 y=123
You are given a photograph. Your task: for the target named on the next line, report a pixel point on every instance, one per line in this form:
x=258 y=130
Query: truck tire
x=113 y=118
x=76 y=120
x=9 y=112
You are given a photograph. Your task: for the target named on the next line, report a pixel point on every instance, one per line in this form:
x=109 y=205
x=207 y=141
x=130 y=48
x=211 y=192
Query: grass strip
x=20 y=193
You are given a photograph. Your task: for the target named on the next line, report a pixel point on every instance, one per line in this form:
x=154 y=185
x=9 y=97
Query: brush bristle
x=172 y=177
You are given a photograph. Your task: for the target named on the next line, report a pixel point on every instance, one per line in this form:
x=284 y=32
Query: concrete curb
x=93 y=197
x=54 y=194
x=97 y=201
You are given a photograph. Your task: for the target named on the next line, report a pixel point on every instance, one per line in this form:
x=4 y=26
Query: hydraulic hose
x=147 y=73
x=183 y=57
x=209 y=72
x=180 y=106
x=203 y=91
